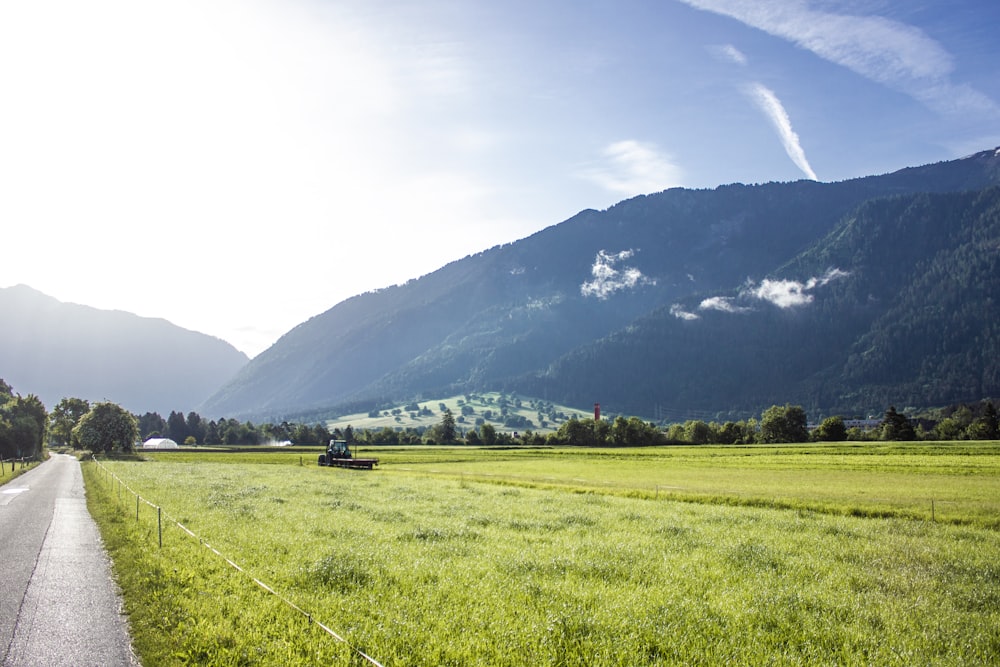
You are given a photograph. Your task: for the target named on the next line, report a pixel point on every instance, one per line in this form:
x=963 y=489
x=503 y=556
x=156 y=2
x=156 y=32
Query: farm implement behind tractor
x=338 y=455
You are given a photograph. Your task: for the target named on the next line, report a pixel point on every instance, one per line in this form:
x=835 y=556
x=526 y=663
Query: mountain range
x=58 y=350
x=841 y=297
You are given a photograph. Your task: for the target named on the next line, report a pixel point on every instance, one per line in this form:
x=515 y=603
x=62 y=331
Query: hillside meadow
x=544 y=417
x=799 y=555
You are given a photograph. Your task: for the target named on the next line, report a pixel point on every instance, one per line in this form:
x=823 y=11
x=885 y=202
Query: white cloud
x=783 y=293
x=791 y=293
x=632 y=168
x=769 y=103
x=891 y=53
x=829 y=276
x=678 y=311
x=722 y=303
x=608 y=278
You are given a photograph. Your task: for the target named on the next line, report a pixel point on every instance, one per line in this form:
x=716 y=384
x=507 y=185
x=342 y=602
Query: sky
x=239 y=166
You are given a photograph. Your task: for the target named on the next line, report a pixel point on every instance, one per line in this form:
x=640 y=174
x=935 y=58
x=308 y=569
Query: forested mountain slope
x=57 y=350
x=896 y=305
x=521 y=315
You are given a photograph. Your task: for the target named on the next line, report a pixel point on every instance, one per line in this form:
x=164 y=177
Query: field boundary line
x=236 y=566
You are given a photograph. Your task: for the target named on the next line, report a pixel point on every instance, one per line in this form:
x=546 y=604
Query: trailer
x=339 y=455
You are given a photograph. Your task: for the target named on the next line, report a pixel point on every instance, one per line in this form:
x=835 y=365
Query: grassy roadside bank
x=14 y=469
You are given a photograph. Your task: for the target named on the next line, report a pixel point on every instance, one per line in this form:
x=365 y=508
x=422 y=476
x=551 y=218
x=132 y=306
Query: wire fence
x=161 y=516
x=5 y=463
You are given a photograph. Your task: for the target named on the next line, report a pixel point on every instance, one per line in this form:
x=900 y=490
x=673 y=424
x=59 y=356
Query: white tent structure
x=159 y=443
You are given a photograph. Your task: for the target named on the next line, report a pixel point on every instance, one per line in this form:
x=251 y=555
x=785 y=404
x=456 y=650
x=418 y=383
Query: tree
x=948 y=429
x=177 y=427
x=601 y=429
x=675 y=433
x=576 y=432
x=731 y=433
x=212 y=434
x=697 y=432
x=896 y=426
x=302 y=434
x=448 y=433
x=444 y=432
x=619 y=432
x=831 y=429
x=152 y=425
x=387 y=436
x=488 y=434
x=629 y=431
x=784 y=424
x=232 y=432
x=64 y=418
x=107 y=427
x=22 y=425
x=195 y=427
x=985 y=427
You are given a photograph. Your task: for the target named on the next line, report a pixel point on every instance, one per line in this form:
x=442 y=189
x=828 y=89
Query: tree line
x=193 y=430
x=778 y=424
x=105 y=426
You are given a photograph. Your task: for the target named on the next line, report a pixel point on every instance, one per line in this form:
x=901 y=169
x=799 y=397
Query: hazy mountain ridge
x=56 y=350
x=512 y=316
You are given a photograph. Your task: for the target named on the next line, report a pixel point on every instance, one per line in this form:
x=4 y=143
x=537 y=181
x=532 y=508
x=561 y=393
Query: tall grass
x=421 y=568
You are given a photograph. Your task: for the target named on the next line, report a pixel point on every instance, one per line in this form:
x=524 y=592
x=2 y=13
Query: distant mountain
x=668 y=286
x=56 y=350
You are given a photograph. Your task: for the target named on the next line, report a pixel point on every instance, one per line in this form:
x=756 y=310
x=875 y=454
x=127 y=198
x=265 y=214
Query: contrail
x=770 y=104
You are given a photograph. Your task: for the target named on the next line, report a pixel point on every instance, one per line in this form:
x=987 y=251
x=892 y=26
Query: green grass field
x=796 y=555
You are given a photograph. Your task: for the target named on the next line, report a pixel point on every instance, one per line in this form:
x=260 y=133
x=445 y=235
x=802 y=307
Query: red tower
x=597 y=412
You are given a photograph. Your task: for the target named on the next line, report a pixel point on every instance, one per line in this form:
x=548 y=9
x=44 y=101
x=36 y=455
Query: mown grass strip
x=960 y=485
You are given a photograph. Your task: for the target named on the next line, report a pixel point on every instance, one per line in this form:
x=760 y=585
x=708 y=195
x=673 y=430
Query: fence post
x=137 y=508
x=159 y=525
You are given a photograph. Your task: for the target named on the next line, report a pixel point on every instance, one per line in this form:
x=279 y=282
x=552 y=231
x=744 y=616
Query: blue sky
x=239 y=166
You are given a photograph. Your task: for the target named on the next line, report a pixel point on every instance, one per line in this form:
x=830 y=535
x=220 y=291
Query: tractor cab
x=338 y=449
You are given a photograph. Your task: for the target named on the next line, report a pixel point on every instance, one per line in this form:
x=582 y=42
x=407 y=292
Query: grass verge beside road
x=15 y=468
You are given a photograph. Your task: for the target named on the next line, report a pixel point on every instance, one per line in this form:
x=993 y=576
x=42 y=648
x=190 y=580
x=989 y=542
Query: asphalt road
x=59 y=606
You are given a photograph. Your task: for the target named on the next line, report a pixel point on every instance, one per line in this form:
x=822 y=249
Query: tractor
x=338 y=455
